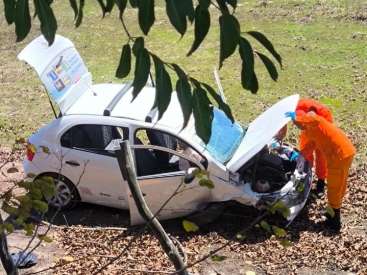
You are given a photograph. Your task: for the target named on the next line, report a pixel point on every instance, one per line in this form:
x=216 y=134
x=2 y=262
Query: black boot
x=333 y=222
x=320 y=187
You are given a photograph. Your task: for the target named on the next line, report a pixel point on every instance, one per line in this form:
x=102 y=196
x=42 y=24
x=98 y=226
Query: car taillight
x=30 y=151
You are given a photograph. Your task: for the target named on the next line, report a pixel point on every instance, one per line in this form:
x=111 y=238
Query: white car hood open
x=261 y=131
x=60 y=68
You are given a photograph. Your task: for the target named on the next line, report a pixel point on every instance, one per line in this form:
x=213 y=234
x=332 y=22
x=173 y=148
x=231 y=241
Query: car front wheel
x=66 y=195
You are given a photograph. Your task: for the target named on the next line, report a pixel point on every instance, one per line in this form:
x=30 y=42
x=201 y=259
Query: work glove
x=291 y=115
x=294 y=156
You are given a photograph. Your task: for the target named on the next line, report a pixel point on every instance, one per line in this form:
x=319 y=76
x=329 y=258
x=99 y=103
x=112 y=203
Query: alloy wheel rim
x=62 y=196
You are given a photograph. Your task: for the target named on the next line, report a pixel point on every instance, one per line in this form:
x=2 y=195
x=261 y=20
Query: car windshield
x=225 y=138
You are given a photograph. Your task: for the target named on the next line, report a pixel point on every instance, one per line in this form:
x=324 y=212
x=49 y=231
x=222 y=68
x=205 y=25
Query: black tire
x=67 y=196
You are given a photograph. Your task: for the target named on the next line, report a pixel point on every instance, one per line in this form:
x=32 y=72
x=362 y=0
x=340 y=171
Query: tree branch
x=6 y=260
x=127 y=168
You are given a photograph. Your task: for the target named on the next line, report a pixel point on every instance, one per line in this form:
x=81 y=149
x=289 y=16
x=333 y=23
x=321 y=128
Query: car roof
x=95 y=102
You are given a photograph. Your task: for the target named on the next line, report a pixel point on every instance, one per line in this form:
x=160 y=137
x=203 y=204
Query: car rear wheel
x=66 y=195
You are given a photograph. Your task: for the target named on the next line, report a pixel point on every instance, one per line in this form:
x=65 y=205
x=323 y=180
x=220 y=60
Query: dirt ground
x=88 y=236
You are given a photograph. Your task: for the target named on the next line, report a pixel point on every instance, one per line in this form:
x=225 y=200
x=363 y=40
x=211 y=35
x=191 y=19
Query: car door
x=92 y=168
x=160 y=182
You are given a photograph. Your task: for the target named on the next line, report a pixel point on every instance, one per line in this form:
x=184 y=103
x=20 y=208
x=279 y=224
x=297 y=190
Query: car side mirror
x=190 y=175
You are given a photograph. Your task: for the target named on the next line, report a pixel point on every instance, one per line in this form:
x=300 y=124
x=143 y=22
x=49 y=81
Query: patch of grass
x=323 y=47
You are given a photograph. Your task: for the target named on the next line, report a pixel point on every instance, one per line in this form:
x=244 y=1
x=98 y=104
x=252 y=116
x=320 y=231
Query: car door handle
x=72 y=163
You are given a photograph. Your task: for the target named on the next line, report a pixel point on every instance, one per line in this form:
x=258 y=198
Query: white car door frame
x=96 y=174
x=158 y=188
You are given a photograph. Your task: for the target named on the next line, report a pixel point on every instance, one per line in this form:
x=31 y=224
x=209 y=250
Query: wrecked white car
x=246 y=164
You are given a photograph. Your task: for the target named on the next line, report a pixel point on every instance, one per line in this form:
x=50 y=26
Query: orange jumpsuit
x=337 y=149
x=306 y=105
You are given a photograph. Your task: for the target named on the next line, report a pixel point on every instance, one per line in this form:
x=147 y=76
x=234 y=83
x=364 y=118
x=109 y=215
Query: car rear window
x=89 y=136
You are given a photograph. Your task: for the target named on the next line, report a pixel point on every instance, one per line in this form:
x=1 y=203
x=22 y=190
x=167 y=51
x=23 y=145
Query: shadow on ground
x=225 y=219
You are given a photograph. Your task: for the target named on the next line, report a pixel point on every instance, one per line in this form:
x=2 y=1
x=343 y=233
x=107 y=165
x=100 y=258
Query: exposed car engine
x=271 y=168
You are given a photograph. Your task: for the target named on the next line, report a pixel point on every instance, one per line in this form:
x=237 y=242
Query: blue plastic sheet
x=225 y=137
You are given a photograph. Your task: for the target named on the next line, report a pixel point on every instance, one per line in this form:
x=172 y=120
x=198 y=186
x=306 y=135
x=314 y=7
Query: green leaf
x=9 y=209
x=45 y=149
x=133 y=3
x=47 y=187
x=279 y=232
x=267 y=44
x=25 y=202
x=233 y=3
x=25 y=184
x=40 y=206
x=138 y=45
x=125 y=62
x=109 y=5
x=177 y=14
x=264 y=225
x=218 y=258
x=203 y=114
x=188 y=8
x=29 y=228
x=272 y=70
x=79 y=17
x=47 y=19
x=142 y=69
x=163 y=87
x=9 y=227
x=103 y=7
x=281 y=208
x=22 y=19
x=146 y=15
x=330 y=211
x=74 y=7
x=121 y=4
x=189 y=226
x=229 y=36
x=204 y=4
x=206 y=183
x=19 y=221
x=35 y=193
x=300 y=187
x=200 y=174
x=248 y=70
x=285 y=243
x=184 y=94
x=9 y=10
x=221 y=104
x=254 y=85
x=44 y=238
x=201 y=29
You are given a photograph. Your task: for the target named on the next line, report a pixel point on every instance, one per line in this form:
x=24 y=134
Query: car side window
x=155 y=161
x=92 y=137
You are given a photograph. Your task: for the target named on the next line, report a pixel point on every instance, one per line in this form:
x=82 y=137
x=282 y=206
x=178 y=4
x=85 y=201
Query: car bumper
x=295 y=194
x=30 y=169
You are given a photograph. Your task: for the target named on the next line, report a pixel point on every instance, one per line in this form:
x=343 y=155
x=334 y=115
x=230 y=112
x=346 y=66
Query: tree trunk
x=127 y=168
x=6 y=260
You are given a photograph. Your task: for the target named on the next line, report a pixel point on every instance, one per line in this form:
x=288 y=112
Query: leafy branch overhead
x=196 y=98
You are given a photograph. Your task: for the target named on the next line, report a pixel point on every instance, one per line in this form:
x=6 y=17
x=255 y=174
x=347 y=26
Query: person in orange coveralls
x=306 y=105
x=338 y=151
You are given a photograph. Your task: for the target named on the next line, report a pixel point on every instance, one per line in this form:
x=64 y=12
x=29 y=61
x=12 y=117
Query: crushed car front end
x=294 y=194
